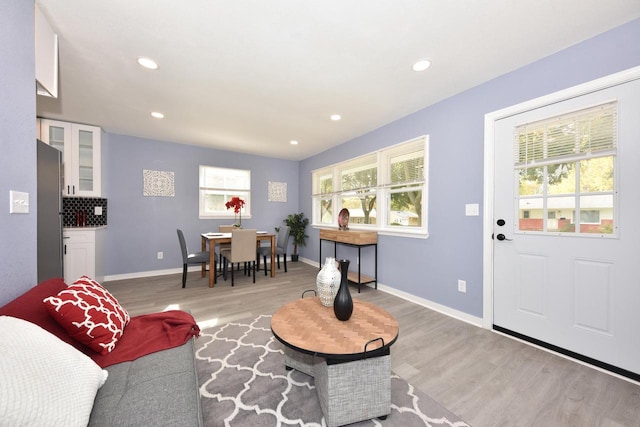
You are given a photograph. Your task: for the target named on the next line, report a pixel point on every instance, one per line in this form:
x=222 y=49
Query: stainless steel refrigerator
x=49 y=211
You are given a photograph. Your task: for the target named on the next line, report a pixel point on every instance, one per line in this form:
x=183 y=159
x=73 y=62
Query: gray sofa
x=160 y=389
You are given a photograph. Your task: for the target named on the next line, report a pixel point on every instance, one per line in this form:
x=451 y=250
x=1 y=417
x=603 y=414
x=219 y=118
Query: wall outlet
x=97 y=210
x=462 y=286
x=472 y=209
x=160 y=255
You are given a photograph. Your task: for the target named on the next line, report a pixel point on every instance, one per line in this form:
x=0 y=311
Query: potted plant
x=297 y=224
x=236 y=203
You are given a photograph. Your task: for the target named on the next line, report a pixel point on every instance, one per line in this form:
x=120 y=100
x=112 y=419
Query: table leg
x=273 y=255
x=204 y=264
x=212 y=264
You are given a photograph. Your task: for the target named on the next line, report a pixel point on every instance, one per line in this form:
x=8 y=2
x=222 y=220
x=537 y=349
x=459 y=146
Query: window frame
x=383 y=188
x=571 y=157
x=227 y=191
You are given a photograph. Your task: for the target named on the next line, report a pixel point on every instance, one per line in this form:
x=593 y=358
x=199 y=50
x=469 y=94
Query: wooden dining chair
x=243 y=249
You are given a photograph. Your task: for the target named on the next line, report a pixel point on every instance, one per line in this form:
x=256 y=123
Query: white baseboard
x=140 y=274
x=166 y=272
x=443 y=309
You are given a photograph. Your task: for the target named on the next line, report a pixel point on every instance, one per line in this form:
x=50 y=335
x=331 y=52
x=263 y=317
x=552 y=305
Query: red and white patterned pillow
x=90 y=314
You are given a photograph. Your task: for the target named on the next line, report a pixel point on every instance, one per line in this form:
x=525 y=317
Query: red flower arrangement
x=236 y=203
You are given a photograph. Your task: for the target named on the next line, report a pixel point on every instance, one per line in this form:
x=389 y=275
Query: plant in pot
x=297 y=224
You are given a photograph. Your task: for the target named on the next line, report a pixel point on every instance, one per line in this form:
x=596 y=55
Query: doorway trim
x=489 y=167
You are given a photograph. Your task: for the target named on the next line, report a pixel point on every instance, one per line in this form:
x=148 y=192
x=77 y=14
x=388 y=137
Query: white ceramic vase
x=328 y=282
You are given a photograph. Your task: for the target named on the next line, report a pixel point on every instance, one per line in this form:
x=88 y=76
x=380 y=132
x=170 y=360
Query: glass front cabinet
x=80 y=145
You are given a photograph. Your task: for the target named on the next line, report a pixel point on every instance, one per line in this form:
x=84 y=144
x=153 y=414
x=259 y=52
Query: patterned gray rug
x=243 y=382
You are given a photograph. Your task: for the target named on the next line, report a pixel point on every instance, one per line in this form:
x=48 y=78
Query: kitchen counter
x=88 y=228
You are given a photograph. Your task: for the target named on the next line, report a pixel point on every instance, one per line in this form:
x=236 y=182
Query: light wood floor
x=485 y=378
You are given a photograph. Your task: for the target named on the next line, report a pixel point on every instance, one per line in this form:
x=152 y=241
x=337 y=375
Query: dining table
x=213 y=239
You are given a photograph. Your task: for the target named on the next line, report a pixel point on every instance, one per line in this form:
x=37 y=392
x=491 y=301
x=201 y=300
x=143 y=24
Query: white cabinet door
x=86 y=160
x=79 y=255
x=58 y=135
x=81 y=148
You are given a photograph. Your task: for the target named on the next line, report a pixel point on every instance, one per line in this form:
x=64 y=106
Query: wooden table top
x=308 y=326
x=217 y=238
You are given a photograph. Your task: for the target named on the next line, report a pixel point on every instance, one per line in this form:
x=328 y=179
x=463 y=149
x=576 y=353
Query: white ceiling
x=251 y=75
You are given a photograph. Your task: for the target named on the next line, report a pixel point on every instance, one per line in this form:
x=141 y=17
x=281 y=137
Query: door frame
x=489 y=167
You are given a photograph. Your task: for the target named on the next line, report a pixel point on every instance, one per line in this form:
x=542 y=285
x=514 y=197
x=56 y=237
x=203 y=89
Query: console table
x=357 y=239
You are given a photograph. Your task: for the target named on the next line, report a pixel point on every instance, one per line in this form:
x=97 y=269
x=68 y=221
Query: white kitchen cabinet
x=83 y=250
x=46 y=44
x=81 y=148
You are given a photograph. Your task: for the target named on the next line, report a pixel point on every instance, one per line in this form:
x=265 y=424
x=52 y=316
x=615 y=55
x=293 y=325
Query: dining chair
x=282 y=242
x=190 y=258
x=243 y=249
x=221 y=246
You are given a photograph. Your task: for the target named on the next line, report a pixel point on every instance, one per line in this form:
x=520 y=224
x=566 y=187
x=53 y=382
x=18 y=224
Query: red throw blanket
x=149 y=333
x=143 y=335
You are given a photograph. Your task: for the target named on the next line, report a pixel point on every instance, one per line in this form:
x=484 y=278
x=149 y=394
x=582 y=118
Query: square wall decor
x=158 y=183
x=277 y=191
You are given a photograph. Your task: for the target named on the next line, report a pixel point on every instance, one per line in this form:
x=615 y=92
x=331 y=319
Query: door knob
x=502 y=237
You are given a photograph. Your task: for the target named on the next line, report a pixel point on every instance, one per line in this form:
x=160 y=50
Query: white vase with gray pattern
x=328 y=282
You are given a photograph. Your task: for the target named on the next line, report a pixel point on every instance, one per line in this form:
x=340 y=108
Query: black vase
x=343 y=304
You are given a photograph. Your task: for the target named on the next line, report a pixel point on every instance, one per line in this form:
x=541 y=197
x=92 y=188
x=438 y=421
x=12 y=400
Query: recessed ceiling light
x=293 y=142
x=148 y=63
x=335 y=117
x=157 y=115
x=421 y=65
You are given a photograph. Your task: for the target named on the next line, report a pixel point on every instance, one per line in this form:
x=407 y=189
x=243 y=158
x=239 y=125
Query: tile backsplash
x=71 y=205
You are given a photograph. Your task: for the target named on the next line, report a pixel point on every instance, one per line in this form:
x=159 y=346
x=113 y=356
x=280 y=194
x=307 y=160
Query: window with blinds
x=565 y=166
x=218 y=186
x=323 y=184
x=385 y=190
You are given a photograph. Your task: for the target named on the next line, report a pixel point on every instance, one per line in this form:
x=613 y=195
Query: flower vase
x=328 y=282
x=343 y=303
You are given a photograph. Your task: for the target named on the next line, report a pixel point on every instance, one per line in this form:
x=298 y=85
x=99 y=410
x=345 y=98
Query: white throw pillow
x=43 y=380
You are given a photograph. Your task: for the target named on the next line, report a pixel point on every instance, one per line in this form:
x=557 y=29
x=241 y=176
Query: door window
x=566 y=164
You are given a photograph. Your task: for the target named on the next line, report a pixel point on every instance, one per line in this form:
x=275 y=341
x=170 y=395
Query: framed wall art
x=277 y=191
x=158 y=183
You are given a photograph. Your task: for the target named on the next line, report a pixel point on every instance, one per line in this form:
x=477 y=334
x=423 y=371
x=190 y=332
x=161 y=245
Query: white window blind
x=359 y=174
x=581 y=134
x=218 y=186
x=406 y=165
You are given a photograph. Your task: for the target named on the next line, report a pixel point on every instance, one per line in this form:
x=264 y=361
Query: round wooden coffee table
x=349 y=360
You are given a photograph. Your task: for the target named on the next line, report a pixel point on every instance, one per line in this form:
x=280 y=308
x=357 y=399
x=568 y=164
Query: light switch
x=97 y=210
x=472 y=209
x=18 y=202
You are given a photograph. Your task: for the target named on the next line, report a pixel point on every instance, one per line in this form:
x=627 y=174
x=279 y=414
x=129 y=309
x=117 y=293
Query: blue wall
x=18 y=263
x=430 y=268
x=139 y=227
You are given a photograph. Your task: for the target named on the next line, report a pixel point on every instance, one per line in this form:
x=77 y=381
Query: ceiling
x=252 y=75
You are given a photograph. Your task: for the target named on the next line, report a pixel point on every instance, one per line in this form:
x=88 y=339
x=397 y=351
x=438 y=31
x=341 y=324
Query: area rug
x=243 y=382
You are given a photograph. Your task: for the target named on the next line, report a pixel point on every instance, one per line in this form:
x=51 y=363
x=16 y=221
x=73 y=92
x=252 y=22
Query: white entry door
x=567 y=255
